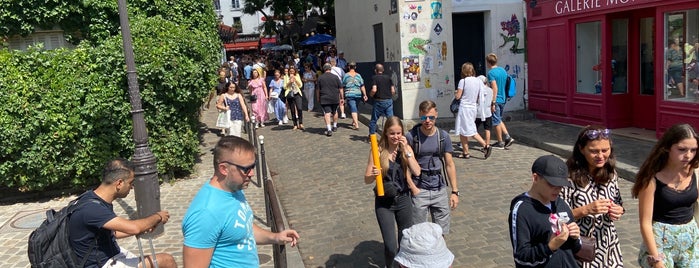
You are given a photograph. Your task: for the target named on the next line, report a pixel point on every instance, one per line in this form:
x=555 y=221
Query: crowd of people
x=566 y=219
x=287 y=84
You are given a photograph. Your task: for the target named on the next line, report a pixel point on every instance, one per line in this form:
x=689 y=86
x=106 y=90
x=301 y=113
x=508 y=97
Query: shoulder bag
x=454 y=106
x=223 y=120
x=587 y=249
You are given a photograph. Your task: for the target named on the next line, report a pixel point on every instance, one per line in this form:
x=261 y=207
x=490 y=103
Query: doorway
x=631 y=51
x=469 y=42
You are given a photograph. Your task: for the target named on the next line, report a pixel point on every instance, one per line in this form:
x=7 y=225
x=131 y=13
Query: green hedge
x=64 y=112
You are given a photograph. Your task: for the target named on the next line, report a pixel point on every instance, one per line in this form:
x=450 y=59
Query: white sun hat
x=423 y=246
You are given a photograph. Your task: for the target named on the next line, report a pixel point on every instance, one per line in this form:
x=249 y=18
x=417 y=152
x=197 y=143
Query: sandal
x=465 y=156
x=355 y=126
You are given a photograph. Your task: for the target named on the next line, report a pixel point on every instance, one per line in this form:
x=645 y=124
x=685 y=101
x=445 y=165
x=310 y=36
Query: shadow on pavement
x=366 y=254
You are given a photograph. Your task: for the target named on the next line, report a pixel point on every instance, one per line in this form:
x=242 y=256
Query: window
x=49 y=39
x=235 y=4
x=217 y=4
x=237 y=24
x=589 y=66
x=681 y=71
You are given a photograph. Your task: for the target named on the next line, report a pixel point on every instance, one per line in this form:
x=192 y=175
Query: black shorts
x=487 y=124
x=329 y=108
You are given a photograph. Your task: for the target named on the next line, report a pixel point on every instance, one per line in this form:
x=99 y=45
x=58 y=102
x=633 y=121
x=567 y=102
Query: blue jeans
x=389 y=213
x=381 y=107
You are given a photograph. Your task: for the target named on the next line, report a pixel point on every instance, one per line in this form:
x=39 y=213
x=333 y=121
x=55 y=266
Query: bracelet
x=161 y=217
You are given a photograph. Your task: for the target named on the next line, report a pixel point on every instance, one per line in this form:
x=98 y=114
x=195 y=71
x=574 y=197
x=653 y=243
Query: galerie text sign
x=563 y=7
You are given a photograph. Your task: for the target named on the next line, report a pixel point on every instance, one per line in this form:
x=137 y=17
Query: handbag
x=454 y=106
x=253 y=98
x=270 y=107
x=587 y=249
x=224 y=117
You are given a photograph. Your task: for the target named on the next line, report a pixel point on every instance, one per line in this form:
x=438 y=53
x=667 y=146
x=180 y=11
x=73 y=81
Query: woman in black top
x=666 y=188
x=397 y=162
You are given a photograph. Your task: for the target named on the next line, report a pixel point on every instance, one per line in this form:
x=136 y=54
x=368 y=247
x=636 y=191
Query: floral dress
x=259 y=107
x=608 y=252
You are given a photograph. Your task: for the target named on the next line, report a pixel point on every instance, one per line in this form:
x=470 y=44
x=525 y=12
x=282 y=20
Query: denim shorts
x=497 y=115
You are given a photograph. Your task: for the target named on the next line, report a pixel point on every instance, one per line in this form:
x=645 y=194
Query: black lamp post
x=146 y=185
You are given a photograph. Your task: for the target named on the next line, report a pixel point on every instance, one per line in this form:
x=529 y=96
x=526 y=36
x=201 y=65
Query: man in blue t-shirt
x=94 y=227
x=497 y=77
x=218 y=227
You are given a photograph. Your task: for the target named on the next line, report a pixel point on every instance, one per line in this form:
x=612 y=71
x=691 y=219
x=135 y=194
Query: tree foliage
x=64 y=112
x=284 y=10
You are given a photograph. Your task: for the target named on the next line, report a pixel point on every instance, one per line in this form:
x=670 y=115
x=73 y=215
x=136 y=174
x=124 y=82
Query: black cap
x=553 y=169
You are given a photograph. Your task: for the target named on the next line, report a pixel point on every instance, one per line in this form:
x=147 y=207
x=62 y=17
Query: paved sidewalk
x=322 y=192
x=19 y=219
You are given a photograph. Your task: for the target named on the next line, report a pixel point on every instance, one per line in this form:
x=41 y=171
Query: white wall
x=497 y=12
x=355 y=20
x=250 y=22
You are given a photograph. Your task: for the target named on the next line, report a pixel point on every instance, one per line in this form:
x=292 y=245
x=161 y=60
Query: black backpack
x=49 y=244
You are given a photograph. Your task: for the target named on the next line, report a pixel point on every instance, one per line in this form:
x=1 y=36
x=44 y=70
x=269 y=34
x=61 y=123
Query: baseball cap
x=552 y=169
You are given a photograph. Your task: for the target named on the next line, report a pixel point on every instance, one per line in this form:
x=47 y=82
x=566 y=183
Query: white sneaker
x=262 y=124
x=343 y=116
x=281 y=123
x=286 y=120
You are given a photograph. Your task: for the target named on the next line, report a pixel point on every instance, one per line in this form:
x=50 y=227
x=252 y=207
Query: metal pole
x=146 y=185
x=261 y=168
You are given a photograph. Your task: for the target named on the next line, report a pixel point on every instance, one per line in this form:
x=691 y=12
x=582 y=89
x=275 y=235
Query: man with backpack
x=497 y=76
x=94 y=227
x=433 y=151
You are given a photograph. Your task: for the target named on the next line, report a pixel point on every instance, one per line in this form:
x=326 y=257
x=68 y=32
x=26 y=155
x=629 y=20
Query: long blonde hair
x=384 y=154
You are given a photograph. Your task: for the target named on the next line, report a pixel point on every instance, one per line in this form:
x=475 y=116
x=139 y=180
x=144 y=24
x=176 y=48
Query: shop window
x=217 y=4
x=681 y=52
x=619 y=62
x=647 y=54
x=588 y=65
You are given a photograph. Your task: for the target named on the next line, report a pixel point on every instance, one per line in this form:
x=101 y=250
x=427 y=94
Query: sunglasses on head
x=244 y=169
x=425 y=117
x=596 y=133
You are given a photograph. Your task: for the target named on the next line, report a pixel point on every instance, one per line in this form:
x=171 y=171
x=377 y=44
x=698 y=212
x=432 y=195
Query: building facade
x=616 y=63
x=423 y=44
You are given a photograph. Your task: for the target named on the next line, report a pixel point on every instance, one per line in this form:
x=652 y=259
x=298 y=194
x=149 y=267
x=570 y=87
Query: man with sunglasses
x=433 y=151
x=218 y=227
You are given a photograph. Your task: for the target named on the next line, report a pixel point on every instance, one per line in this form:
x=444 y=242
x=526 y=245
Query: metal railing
x=272 y=207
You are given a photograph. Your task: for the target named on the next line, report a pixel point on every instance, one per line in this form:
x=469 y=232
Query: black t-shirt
x=383 y=85
x=329 y=89
x=85 y=224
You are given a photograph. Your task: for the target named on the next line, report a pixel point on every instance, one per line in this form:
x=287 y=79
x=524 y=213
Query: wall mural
x=511 y=28
x=416 y=46
x=411 y=69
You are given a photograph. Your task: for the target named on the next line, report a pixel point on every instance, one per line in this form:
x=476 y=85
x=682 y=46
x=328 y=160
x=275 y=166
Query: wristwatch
x=455 y=192
x=408 y=154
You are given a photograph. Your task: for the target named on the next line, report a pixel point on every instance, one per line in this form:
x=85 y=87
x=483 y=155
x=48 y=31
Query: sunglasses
x=425 y=117
x=245 y=170
x=596 y=133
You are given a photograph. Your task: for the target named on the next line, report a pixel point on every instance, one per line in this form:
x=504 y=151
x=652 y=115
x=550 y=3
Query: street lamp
x=146 y=186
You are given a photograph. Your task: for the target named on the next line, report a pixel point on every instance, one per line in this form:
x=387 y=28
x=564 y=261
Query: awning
x=268 y=40
x=241 y=46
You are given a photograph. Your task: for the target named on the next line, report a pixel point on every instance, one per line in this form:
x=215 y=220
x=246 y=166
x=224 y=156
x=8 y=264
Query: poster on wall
x=411 y=69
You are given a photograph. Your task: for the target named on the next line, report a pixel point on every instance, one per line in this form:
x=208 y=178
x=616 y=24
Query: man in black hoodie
x=542 y=229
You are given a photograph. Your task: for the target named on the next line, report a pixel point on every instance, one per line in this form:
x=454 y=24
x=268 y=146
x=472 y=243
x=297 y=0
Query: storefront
x=617 y=63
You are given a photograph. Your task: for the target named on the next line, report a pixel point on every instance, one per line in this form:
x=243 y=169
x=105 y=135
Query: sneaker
x=328 y=133
x=509 y=142
x=286 y=120
x=281 y=123
x=257 y=126
x=334 y=129
x=262 y=124
x=486 y=151
x=343 y=116
x=498 y=145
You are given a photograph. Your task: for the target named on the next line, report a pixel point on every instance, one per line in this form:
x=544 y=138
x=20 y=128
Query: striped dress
x=608 y=252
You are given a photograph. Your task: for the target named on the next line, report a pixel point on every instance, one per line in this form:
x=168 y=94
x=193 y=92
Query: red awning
x=241 y=46
x=266 y=40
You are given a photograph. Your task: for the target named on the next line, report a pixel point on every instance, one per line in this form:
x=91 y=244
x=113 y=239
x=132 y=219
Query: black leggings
x=295 y=103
